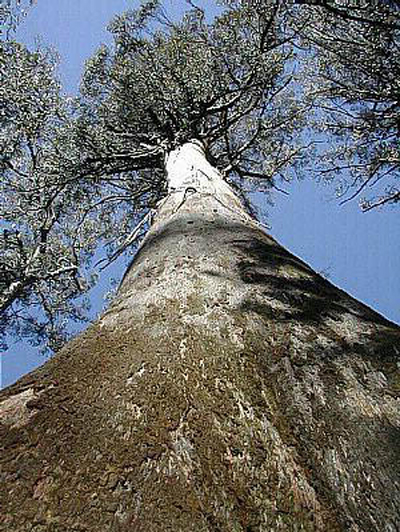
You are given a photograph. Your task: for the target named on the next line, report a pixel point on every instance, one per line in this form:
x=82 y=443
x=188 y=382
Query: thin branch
x=129 y=240
x=389 y=199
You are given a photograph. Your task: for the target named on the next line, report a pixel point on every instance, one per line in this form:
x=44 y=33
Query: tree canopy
x=163 y=83
x=11 y=14
x=353 y=51
x=39 y=259
x=85 y=174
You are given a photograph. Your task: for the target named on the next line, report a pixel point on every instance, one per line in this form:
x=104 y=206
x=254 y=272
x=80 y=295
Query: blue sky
x=358 y=251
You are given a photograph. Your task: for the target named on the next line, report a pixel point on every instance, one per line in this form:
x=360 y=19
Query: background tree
x=51 y=222
x=34 y=257
x=353 y=64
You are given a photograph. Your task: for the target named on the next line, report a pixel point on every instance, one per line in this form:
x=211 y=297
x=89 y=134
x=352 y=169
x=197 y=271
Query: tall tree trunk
x=228 y=388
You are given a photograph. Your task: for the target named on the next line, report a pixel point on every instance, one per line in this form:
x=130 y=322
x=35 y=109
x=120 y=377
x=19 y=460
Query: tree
x=43 y=257
x=50 y=221
x=353 y=59
x=247 y=100
x=98 y=162
x=228 y=386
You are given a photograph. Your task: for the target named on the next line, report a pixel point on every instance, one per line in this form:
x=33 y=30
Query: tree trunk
x=228 y=388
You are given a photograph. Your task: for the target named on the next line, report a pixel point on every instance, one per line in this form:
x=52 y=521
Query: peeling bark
x=228 y=388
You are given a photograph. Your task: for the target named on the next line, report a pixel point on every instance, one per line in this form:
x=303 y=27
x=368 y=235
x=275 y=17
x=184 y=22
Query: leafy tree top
x=353 y=60
x=163 y=83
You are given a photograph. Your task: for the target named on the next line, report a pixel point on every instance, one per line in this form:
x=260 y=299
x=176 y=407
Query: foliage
x=40 y=254
x=11 y=14
x=354 y=83
x=163 y=83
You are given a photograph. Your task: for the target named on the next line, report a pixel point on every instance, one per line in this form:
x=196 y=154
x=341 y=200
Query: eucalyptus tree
x=354 y=71
x=41 y=245
x=228 y=386
x=30 y=106
x=50 y=221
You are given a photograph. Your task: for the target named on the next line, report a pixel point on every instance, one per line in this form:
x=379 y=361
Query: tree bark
x=228 y=388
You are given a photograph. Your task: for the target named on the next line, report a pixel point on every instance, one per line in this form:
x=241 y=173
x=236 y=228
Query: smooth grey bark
x=228 y=388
